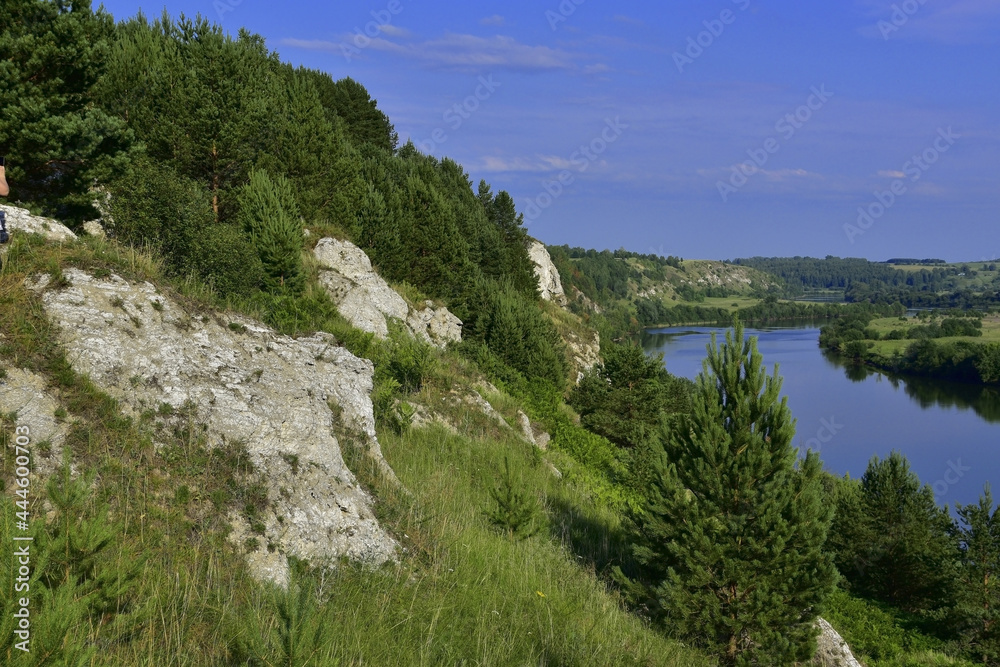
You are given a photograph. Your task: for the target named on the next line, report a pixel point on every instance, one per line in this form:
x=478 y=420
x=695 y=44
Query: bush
x=517 y=511
x=224 y=258
x=153 y=206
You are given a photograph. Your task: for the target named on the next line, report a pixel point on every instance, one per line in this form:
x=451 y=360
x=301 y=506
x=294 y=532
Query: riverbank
x=961 y=348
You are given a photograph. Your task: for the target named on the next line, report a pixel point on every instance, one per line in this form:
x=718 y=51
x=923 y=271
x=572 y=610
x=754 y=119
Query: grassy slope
x=461 y=591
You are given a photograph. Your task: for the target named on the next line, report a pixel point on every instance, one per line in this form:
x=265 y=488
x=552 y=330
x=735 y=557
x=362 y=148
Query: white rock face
x=586 y=354
x=245 y=383
x=367 y=301
x=25 y=393
x=20 y=220
x=832 y=650
x=436 y=326
x=94 y=228
x=548 y=276
x=361 y=295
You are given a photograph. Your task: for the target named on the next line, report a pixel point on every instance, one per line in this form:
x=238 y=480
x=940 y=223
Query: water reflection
x=927 y=392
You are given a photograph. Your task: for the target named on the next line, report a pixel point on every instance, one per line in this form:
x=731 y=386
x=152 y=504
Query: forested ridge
x=928 y=283
x=667 y=522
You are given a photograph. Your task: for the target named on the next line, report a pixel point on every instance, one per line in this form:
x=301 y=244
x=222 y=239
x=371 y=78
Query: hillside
x=275 y=389
x=222 y=447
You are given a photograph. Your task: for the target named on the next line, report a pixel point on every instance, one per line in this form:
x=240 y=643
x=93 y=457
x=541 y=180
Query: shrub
x=153 y=206
x=516 y=511
x=224 y=258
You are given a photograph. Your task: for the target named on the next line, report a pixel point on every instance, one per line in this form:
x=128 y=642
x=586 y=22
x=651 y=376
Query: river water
x=950 y=432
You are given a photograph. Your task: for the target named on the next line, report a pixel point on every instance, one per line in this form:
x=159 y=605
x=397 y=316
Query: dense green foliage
x=624 y=397
x=269 y=215
x=57 y=141
x=893 y=540
x=979 y=582
x=735 y=526
x=861 y=280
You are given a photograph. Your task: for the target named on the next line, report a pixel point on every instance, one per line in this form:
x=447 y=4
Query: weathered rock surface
x=247 y=384
x=436 y=326
x=23 y=392
x=367 y=301
x=94 y=228
x=361 y=295
x=832 y=650
x=585 y=354
x=20 y=220
x=549 y=282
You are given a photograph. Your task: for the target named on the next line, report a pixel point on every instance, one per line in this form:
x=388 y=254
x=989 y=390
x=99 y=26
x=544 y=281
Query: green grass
x=883 y=637
x=883 y=325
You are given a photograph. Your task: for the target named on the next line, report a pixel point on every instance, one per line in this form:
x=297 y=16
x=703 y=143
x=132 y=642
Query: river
x=950 y=432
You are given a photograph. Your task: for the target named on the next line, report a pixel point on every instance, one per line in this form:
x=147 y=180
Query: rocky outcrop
x=832 y=650
x=549 y=282
x=436 y=326
x=21 y=220
x=361 y=295
x=244 y=383
x=585 y=354
x=367 y=301
x=24 y=393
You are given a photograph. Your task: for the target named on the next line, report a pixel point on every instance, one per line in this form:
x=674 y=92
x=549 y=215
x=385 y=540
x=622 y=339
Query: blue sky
x=720 y=129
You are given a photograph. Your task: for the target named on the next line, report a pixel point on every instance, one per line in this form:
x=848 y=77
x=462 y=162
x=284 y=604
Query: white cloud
x=454 y=51
x=495 y=20
x=395 y=31
x=891 y=174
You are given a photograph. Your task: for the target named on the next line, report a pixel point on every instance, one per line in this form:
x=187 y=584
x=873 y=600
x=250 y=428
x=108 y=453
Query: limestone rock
x=94 y=228
x=21 y=220
x=549 y=282
x=243 y=383
x=367 y=301
x=585 y=354
x=360 y=294
x=25 y=393
x=436 y=326
x=538 y=438
x=832 y=650
x=525 y=424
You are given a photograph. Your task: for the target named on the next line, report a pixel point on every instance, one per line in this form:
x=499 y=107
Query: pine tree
x=979 y=582
x=899 y=547
x=733 y=535
x=56 y=140
x=269 y=214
